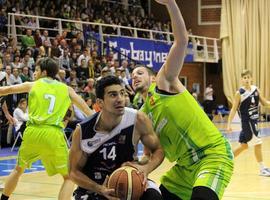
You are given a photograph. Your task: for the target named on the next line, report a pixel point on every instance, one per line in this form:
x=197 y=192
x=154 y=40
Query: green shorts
x=45 y=143
x=212 y=172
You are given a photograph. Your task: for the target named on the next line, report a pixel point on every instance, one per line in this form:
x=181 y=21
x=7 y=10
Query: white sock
x=261 y=165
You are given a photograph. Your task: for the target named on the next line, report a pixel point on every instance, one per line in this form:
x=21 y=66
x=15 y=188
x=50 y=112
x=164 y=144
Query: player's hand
x=141 y=170
x=10 y=119
x=106 y=192
x=229 y=129
x=144 y=159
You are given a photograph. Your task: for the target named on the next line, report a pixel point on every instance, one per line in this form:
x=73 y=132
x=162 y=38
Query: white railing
x=204 y=49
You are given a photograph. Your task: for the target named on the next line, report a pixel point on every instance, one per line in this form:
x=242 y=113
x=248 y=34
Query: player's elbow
x=73 y=175
x=159 y=153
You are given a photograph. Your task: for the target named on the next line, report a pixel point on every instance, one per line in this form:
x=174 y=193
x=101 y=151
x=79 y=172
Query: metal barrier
x=204 y=49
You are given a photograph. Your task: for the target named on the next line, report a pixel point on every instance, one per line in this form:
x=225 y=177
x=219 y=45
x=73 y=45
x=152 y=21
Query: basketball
x=128 y=184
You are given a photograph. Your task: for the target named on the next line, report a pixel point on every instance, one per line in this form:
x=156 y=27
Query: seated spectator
x=25 y=75
x=20 y=115
x=90 y=88
x=37 y=38
x=16 y=62
x=28 y=41
x=62 y=76
x=64 y=61
x=72 y=78
x=45 y=49
x=14 y=77
x=45 y=37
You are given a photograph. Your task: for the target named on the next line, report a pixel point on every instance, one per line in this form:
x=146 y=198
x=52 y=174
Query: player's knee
x=19 y=169
x=151 y=194
x=203 y=193
x=244 y=146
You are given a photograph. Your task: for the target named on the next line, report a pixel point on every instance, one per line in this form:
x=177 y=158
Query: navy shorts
x=250 y=131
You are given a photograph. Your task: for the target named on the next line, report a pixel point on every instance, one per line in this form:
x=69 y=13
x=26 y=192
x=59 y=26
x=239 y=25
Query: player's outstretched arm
x=79 y=102
x=235 y=105
x=174 y=62
x=15 y=89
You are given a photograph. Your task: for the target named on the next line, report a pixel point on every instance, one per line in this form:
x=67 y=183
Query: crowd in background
x=81 y=63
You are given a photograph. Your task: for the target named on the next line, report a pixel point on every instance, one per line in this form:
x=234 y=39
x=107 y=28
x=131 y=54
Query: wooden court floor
x=246 y=184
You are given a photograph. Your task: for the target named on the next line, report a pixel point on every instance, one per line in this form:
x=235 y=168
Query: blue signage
x=150 y=53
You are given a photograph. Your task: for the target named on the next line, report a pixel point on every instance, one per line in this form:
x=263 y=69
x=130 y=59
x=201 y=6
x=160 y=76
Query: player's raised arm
x=173 y=65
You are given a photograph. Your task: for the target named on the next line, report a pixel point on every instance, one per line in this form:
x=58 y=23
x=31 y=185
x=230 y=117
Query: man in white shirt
x=208 y=100
x=20 y=115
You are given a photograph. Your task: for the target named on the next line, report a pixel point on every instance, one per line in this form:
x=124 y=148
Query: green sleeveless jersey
x=48 y=102
x=186 y=133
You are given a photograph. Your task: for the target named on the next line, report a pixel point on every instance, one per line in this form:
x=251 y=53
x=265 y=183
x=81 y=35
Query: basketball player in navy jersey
x=107 y=140
x=246 y=101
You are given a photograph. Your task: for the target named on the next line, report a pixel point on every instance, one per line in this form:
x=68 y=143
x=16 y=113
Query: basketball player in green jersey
x=204 y=160
x=43 y=138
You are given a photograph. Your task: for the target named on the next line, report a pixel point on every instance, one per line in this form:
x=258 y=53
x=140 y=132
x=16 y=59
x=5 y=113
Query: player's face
x=140 y=79
x=37 y=73
x=246 y=80
x=114 y=100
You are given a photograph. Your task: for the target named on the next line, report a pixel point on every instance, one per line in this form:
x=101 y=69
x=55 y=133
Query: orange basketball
x=128 y=184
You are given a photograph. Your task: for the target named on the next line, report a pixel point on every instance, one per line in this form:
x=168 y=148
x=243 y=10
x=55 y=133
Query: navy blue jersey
x=107 y=151
x=248 y=109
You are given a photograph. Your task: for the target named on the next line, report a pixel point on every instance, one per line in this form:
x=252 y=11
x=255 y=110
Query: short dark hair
x=48 y=65
x=22 y=100
x=105 y=82
x=150 y=71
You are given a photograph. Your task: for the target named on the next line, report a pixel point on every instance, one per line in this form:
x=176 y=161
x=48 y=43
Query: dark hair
x=105 y=82
x=22 y=100
x=150 y=71
x=48 y=65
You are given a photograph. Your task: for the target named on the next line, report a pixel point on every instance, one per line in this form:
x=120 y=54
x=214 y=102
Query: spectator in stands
x=25 y=75
x=32 y=23
x=89 y=102
x=85 y=55
x=8 y=71
x=37 y=38
x=90 y=87
x=14 y=77
x=73 y=60
x=20 y=115
x=72 y=77
x=7 y=59
x=64 y=61
x=82 y=70
x=79 y=39
x=45 y=37
x=45 y=50
x=55 y=51
x=27 y=61
x=209 y=101
x=16 y=62
x=28 y=41
x=62 y=76
x=91 y=68
x=104 y=72
x=124 y=65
